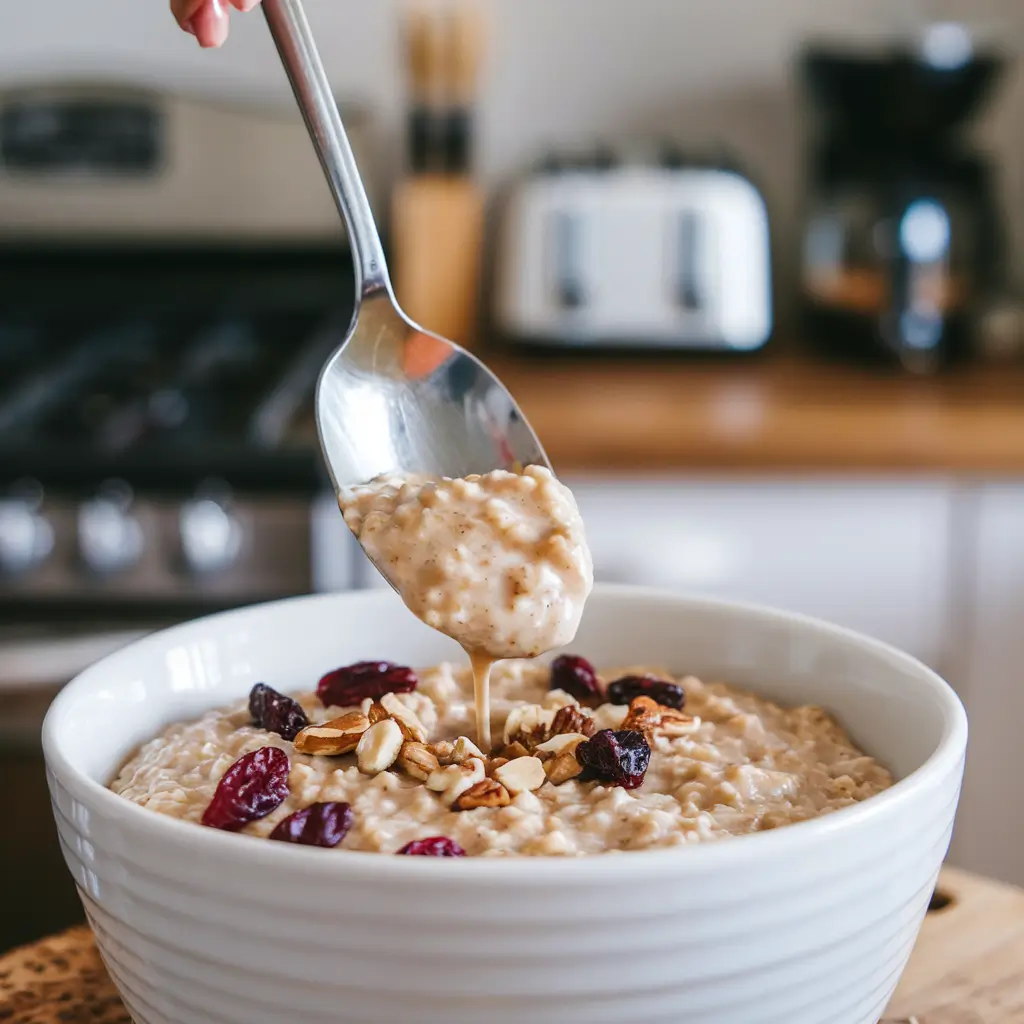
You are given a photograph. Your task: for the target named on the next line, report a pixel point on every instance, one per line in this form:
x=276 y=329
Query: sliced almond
x=486 y=793
x=523 y=775
x=493 y=764
x=412 y=728
x=465 y=748
x=416 y=760
x=379 y=747
x=674 y=723
x=565 y=742
x=562 y=768
x=338 y=736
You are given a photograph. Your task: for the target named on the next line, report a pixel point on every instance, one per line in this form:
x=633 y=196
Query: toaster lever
x=688 y=283
x=569 y=288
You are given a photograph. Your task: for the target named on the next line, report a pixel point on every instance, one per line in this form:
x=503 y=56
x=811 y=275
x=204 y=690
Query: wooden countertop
x=967 y=967
x=778 y=413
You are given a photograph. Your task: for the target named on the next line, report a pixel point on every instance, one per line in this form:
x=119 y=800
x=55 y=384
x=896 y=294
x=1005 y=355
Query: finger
x=211 y=23
x=244 y=5
x=184 y=10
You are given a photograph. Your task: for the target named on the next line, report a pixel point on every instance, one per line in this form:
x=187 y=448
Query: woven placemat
x=59 y=981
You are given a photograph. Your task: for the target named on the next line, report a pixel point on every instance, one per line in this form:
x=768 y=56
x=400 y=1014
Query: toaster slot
x=567 y=264
x=689 y=286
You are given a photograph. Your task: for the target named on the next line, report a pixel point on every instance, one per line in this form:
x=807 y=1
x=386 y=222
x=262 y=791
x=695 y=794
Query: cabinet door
x=868 y=555
x=989 y=834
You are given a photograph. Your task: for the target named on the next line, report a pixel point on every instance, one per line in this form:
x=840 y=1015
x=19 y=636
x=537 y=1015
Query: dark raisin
x=628 y=688
x=275 y=712
x=620 y=758
x=317 y=825
x=435 y=846
x=250 y=789
x=351 y=685
x=576 y=676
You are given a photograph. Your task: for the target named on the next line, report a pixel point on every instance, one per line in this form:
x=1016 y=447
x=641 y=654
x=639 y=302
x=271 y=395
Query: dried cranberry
x=317 y=825
x=620 y=758
x=435 y=846
x=345 y=687
x=250 y=789
x=628 y=688
x=574 y=675
x=275 y=712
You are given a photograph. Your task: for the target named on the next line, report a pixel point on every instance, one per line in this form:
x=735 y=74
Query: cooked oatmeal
x=730 y=763
x=498 y=562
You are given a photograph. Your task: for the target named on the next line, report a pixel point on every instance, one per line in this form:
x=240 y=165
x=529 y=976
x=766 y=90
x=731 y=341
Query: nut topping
x=338 y=736
x=379 y=747
x=453 y=781
x=571 y=719
x=644 y=716
x=375 y=711
x=528 y=725
x=416 y=760
x=412 y=728
x=514 y=750
x=523 y=775
x=565 y=743
x=465 y=748
x=443 y=751
x=486 y=793
x=562 y=768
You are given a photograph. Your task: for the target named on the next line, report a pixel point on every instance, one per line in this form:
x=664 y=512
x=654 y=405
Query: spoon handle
x=294 y=40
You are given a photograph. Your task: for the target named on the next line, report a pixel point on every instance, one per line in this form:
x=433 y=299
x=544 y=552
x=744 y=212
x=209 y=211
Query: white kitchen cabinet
x=989 y=834
x=874 y=556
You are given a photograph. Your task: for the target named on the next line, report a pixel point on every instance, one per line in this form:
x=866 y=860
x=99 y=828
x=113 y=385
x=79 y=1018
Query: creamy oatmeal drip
x=748 y=766
x=498 y=562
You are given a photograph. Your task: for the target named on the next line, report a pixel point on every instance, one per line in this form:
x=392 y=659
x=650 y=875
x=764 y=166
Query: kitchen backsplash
x=559 y=73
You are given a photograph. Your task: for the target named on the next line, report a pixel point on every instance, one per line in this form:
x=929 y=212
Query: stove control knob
x=26 y=538
x=211 y=537
x=110 y=538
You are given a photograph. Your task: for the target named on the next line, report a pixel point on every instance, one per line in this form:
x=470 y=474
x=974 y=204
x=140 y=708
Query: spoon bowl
x=393 y=398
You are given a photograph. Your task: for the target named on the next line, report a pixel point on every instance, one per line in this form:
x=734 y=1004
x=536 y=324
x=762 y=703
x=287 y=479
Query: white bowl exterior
x=811 y=924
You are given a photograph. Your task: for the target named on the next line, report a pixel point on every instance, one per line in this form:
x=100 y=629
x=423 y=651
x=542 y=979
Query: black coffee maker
x=901 y=231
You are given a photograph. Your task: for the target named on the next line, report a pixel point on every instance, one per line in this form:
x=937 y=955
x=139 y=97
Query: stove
x=160 y=340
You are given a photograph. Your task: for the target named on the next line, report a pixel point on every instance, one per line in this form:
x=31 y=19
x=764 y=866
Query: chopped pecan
x=443 y=750
x=416 y=760
x=644 y=716
x=486 y=793
x=572 y=719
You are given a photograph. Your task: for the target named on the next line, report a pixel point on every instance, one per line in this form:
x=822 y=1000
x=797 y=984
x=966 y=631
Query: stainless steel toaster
x=660 y=256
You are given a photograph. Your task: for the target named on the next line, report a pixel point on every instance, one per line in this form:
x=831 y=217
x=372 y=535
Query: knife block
x=437 y=243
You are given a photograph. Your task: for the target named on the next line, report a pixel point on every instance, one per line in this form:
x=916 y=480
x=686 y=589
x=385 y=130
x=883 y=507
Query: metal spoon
x=393 y=398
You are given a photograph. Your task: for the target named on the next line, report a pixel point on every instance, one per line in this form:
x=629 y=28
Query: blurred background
x=754 y=270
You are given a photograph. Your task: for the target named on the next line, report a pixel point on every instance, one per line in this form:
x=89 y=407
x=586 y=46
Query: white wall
x=560 y=71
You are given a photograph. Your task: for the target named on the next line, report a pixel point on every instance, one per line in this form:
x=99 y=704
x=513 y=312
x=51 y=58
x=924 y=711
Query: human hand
x=207 y=20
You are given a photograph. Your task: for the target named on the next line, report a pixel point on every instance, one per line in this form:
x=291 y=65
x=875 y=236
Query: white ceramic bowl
x=809 y=924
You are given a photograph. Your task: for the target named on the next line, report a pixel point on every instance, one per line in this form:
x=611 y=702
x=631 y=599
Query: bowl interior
x=894 y=708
